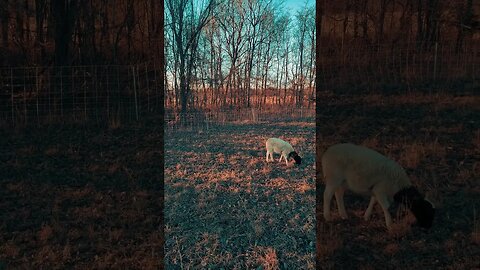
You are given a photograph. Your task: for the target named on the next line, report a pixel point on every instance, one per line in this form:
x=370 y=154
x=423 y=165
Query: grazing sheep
x=275 y=145
x=365 y=171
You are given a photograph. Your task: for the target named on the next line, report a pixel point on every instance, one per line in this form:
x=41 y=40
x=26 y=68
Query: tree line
x=397 y=45
x=351 y=23
x=75 y=32
x=243 y=53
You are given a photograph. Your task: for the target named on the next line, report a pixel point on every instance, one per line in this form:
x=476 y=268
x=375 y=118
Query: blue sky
x=293 y=5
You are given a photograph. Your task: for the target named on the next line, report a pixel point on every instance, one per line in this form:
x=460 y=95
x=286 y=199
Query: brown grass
x=227 y=208
x=476 y=228
x=329 y=241
x=266 y=258
x=76 y=197
x=435 y=138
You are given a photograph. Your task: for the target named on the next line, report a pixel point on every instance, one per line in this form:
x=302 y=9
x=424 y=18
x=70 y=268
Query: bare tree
x=64 y=14
x=232 y=23
x=4 y=21
x=465 y=21
x=304 y=19
x=187 y=20
x=244 y=54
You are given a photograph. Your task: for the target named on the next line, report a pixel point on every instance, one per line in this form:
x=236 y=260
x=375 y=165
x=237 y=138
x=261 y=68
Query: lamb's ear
x=429 y=199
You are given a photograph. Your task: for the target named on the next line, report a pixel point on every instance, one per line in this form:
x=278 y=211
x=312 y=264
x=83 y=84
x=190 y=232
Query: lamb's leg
x=340 y=204
x=281 y=156
x=385 y=205
x=286 y=160
x=369 y=210
x=268 y=154
x=327 y=198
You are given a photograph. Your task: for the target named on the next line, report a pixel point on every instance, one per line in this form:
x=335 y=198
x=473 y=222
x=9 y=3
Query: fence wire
x=391 y=69
x=132 y=92
x=204 y=121
x=78 y=93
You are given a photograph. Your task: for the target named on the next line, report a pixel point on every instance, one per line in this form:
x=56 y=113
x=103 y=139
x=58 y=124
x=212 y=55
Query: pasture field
x=76 y=197
x=88 y=197
x=226 y=208
x=436 y=138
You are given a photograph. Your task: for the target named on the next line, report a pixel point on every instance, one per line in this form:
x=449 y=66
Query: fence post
x=95 y=85
x=36 y=86
x=435 y=62
x=11 y=88
x=148 y=87
x=25 y=96
x=107 y=74
x=474 y=55
x=118 y=96
x=156 y=85
x=85 y=94
x=206 y=120
x=74 y=92
x=61 y=92
x=135 y=91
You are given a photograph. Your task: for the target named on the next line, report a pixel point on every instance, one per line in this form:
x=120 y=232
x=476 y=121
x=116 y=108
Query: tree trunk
x=420 y=36
x=39 y=20
x=381 y=21
x=64 y=14
x=365 y=21
x=4 y=20
x=19 y=23
x=464 y=20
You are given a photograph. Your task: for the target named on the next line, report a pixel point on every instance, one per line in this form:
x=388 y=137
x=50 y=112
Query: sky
x=293 y=5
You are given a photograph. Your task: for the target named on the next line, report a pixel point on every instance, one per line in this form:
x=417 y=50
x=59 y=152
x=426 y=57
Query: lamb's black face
x=424 y=212
x=422 y=209
x=296 y=157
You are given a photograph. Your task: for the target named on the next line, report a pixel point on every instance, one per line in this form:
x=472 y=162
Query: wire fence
x=79 y=93
x=37 y=95
x=388 y=68
x=208 y=120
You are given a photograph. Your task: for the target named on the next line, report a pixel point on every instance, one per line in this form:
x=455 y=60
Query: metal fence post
x=61 y=92
x=435 y=62
x=25 y=97
x=135 y=91
x=36 y=86
x=85 y=94
x=11 y=89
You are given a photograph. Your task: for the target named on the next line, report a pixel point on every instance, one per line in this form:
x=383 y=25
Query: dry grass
x=80 y=198
x=436 y=138
x=416 y=152
x=476 y=228
x=329 y=240
x=226 y=207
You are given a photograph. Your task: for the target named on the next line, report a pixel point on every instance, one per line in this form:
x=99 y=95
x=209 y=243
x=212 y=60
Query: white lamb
x=275 y=145
x=365 y=171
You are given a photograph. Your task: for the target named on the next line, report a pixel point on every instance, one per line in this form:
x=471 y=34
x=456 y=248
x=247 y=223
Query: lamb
x=365 y=171
x=275 y=145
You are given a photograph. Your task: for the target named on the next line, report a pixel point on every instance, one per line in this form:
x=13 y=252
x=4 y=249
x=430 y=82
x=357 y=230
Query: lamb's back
x=277 y=145
x=359 y=167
